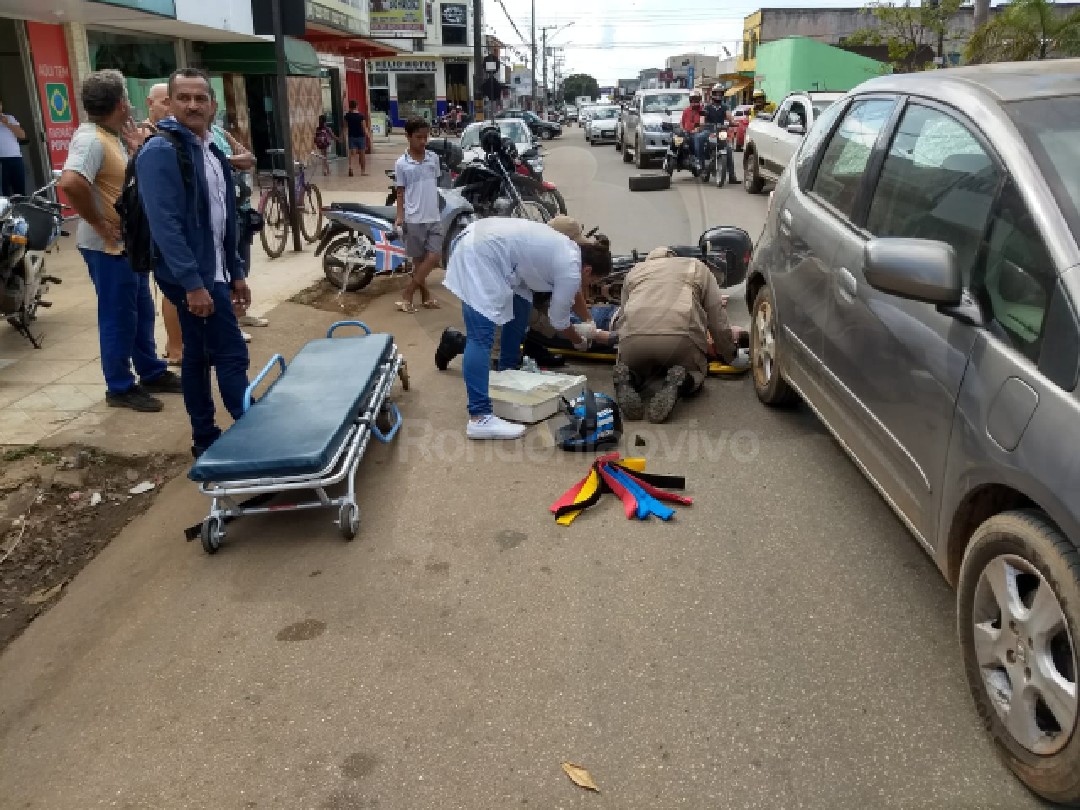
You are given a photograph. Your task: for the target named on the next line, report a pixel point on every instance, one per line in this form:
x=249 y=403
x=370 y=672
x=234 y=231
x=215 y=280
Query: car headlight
x=654 y=127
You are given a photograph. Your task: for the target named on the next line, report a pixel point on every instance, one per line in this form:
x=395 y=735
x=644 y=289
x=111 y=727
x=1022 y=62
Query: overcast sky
x=614 y=39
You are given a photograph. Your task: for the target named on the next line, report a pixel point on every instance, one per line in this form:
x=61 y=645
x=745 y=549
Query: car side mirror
x=796 y=129
x=915 y=269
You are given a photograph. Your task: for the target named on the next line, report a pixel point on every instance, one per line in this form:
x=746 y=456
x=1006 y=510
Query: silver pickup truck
x=771 y=142
x=640 y=134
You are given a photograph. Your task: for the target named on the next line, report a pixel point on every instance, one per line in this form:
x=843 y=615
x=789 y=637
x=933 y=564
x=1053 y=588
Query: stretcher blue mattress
x=300 y=423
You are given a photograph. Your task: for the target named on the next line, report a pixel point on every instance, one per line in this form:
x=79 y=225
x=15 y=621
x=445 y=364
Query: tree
x=1023 y=30
x=911 y=33
x=580 y=84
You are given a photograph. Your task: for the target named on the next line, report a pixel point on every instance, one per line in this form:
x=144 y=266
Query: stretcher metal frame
x=256 y=492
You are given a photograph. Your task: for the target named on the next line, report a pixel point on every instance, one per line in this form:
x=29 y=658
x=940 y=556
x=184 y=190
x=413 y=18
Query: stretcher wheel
x=349 y=520
x=212 y=534
x=649 y=182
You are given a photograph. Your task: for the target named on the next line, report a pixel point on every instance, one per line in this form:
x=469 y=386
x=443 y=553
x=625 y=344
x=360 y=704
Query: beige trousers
x=650 y=356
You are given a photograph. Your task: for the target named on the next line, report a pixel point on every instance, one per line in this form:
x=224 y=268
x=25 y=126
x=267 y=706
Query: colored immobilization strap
x=639 y=492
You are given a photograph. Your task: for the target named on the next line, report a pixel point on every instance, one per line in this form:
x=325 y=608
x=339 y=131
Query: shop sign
x=334 y=14
x=398 y=18
x=454 y=15
x=52 y=76
x=403 y=65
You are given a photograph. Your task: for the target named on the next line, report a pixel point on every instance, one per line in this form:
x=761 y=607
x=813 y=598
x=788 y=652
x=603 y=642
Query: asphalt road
x=782 y=643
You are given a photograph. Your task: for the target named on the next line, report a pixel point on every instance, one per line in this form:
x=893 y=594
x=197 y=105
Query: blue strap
x=647 y=504
x=387 y=437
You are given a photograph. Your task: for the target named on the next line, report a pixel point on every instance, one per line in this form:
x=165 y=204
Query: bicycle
x=274 y=206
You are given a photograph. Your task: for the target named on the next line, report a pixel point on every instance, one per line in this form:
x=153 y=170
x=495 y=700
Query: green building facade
x=800 y=63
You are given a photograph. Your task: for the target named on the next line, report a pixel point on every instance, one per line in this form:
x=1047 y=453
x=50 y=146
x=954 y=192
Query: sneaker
x=663 y=402
x=245 y=336
x=167 y=383
x=627 y=398
x=492 y=427
x=135 y=398
x=253 y=320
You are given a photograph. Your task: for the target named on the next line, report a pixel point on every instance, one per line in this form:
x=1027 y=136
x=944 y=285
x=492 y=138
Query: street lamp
x=543 y=75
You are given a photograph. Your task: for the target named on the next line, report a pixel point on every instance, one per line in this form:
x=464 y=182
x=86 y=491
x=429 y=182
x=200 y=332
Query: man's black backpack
x=138 y=244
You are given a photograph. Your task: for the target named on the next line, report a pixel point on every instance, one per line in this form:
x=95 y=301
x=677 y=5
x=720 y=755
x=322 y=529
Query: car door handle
x=849 y=288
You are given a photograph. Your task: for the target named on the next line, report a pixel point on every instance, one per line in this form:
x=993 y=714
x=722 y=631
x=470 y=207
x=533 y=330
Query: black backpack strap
x=187 y=172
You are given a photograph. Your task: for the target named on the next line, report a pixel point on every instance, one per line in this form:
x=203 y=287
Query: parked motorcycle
x=679 y=155
x=495 y=188
x=360 y=242
x=546 y=191
x=718 y=157
x=29 y=228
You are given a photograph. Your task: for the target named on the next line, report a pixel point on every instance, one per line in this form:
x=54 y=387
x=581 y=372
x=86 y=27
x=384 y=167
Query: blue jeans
x=479 y=341
x=125 y=321
x=699 y=140
x=214 y=341
x=13 y=179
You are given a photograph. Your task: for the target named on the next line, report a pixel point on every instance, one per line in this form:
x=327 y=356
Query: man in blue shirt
x=193 y=224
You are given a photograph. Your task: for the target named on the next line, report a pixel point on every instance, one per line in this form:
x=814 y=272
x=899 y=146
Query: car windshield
x=662 y=102
x=606 y=112
x=1051 y=129
x=511 y=128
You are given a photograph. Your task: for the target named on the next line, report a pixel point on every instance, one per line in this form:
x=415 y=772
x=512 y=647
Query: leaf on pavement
x=579 y=776
x=45 y=594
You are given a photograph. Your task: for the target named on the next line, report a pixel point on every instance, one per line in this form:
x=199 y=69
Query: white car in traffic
x=602 y=123
x=518 y=133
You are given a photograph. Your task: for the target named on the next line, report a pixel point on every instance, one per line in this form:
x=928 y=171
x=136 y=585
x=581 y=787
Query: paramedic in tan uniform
x=670 y=308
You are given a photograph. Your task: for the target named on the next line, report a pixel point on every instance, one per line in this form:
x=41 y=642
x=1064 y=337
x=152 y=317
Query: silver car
x=917 y=285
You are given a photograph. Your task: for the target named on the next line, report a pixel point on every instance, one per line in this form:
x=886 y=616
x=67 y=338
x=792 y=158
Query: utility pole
x=532 y=62
x=283 y=122
x=478 y=62
x=543 y=80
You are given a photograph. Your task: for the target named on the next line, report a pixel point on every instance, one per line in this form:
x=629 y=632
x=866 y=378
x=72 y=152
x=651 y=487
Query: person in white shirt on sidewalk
x=12 y=170
x=495 y=266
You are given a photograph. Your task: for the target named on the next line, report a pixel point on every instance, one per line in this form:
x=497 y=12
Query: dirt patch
x=58 y=509
x=323 y=295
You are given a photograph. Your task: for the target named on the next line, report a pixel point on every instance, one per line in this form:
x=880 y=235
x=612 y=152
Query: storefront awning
x=735 y=89
x=257 y=58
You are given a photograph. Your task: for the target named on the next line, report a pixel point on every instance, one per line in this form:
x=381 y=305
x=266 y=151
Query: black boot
x=451 y=345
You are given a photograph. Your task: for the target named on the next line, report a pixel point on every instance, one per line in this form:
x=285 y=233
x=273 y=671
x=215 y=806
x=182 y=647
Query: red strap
x=569 y=496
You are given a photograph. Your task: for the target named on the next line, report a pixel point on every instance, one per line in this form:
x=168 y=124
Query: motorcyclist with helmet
x=715 y=115
x=692 y=123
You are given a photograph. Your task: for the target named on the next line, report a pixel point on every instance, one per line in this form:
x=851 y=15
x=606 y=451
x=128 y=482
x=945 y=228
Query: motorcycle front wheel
x=349 y=261
x=669 y=165
x=554 y=201
x=533 y=209
x=721 y=168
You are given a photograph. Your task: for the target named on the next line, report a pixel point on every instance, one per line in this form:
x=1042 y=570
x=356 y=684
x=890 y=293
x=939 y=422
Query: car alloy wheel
x=769 y=385
x=1017 y=618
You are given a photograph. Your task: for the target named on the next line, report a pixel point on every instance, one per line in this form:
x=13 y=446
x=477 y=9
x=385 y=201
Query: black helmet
x=490 y=139
x=595 y=421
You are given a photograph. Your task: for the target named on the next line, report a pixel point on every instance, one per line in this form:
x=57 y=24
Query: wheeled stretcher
x=307 y=432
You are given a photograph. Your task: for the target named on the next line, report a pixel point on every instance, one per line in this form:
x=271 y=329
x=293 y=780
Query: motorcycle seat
x=387 y=212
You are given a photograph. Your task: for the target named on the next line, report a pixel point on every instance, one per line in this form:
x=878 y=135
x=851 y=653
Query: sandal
x=405 y=306
x=432 y=304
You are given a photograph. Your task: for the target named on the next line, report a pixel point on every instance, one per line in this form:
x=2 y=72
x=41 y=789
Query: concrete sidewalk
x=56 y=394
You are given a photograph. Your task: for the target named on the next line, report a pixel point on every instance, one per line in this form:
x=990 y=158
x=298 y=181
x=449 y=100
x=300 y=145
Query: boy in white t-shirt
x=416 y=177
x=11 y=161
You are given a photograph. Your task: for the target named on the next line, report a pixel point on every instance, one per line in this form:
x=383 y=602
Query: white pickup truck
x=771 y=141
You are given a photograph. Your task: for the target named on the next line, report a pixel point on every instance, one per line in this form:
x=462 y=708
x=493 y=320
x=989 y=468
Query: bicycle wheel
x=311 y=212
x=275 y=231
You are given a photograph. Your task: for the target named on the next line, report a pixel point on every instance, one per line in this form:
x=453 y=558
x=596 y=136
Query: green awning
x=257 y=58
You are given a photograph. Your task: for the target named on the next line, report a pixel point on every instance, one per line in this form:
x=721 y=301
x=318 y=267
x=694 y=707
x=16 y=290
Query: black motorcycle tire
x=358 y=281
x=554 y=201
x=649 y=182
x=721 y=168
x=669 y=165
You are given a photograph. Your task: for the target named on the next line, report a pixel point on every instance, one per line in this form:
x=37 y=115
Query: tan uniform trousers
x=650 y=356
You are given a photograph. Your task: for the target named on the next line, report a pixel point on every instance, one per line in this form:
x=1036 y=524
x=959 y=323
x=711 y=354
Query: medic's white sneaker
x=492 y=427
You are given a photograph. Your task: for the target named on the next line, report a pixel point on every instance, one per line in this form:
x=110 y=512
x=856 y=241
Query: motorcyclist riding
x=716 y=114
x=691 y=123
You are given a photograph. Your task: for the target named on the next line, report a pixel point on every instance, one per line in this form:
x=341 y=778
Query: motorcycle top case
x=733 y=245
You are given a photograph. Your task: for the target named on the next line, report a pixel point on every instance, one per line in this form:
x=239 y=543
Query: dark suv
x=917 y=284
x=538 y=126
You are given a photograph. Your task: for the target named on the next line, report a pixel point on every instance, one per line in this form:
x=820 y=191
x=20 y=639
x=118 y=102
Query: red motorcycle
x=530 y=164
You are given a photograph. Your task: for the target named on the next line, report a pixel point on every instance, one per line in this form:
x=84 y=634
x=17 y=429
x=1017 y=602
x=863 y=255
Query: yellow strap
x=591 y=485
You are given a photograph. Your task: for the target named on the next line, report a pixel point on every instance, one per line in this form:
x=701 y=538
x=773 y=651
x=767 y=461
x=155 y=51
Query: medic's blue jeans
x=479 y=341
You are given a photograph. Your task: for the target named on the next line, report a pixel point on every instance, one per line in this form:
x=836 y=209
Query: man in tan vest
x=671 y=306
